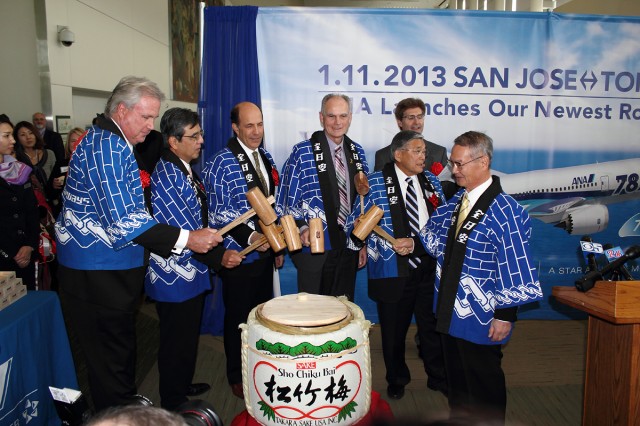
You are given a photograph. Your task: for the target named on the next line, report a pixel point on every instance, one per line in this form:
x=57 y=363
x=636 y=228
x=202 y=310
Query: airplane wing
x=553 y=211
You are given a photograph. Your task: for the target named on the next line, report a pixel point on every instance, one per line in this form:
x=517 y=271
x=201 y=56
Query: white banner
x=559 y=95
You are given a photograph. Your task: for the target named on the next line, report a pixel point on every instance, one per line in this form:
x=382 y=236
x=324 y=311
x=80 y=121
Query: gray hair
x=129 y=91
x=335 y=95
x=478 y=142
x=137 y=415
x=402 y=138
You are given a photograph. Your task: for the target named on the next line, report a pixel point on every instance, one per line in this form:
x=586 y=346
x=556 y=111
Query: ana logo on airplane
x=581 y=180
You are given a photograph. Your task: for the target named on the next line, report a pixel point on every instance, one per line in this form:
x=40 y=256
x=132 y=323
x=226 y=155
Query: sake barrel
x=306 y=361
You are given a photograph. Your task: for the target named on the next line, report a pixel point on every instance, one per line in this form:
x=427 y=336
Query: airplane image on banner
x=575 y=198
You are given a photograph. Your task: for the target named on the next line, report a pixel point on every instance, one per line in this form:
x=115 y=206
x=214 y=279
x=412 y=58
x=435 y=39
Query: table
x=34 y=354
x=612 y=373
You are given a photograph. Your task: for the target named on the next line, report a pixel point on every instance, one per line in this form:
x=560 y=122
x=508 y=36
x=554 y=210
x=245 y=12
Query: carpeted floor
x=544 y=365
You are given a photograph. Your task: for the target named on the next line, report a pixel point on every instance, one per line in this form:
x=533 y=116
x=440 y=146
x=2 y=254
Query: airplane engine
x=585 y=220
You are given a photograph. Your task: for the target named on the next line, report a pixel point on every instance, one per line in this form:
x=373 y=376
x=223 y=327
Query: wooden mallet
x=260 y=206
x=291 y=232
x=287 y=229
x=316 y=235
x=369 y=222
x=361 y=183
x=273 y=234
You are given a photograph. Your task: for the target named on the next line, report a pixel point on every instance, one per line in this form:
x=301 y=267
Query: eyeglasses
x=417 y=152
x=195 y=136
x=459 y=165
x=413 y=117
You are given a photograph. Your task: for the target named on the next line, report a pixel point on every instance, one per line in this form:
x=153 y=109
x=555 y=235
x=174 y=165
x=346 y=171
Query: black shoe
x=197 y=389
x=438 y=387
x=395 y=391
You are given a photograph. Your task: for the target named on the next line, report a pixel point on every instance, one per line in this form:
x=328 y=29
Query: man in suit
x=231 y=172
x=409 y=115
x=401 y=277
x=52 y=140
x=480 y=239
x=102 y=233
x=318 y=182
x=178 y=283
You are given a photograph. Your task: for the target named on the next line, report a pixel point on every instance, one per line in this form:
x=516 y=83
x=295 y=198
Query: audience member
x=410 y=113
x=102 y=233
x=52 y=140
x=318 y=182
x=243 y=165
x=19 y=220
x=30 y=150
x=136 y=415
x=401 y=277
x=178 y=283
x=481 y=242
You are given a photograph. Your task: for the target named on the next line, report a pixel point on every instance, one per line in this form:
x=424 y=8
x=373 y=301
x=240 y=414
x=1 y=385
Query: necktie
x=462 y=214
x=411 y=204
x=341 y=177
x=263 y=182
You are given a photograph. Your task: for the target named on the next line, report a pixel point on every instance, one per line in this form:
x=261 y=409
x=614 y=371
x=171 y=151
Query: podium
x=612 y=373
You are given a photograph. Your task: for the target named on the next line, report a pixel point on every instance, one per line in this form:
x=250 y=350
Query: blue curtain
x=229 y=75
x=229 y=70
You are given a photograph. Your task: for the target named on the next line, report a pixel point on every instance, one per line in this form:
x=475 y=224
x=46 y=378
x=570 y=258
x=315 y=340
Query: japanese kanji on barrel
x=306 y=361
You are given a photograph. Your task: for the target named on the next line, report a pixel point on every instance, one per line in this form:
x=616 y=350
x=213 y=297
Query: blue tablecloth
x=34 y=354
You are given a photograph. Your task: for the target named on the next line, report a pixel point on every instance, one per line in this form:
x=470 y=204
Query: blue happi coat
x=300 y=194
x=226 y=187
x=382 y=259
x=496 y=273
x=103 y=206
x=174 y=200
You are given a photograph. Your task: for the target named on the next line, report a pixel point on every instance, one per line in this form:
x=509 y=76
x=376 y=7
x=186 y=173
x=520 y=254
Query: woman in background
x=30 y=150
x=19 y=219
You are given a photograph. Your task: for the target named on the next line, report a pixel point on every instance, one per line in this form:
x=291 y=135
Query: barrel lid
x=305 y=310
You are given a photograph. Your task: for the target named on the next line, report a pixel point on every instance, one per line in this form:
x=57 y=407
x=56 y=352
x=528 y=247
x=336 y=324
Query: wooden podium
x=612 y=373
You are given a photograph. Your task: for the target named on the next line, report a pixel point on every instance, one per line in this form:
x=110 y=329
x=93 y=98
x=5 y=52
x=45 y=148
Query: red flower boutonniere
x=436 y=168
x=434 y=200
x=275 y=176
x=145 y=178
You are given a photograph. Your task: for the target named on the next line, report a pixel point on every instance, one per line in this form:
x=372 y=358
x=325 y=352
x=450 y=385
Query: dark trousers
x=178 y=351
x=101 y=307
x=477 y=388
x=28 y=273
x=332 y=273
x=395 y=319
x=243 y=288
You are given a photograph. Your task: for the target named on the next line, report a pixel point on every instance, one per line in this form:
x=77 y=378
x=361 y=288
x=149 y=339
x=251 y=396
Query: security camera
x=66 y=36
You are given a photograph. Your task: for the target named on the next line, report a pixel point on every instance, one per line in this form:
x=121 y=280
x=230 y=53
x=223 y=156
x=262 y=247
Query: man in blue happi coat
x=242 y=165
x=178 y=283
x=318 y=182
x=401 y=277
x=102 y=233
x=485 y=271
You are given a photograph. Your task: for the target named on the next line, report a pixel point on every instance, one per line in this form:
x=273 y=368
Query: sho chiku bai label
x=309 y=382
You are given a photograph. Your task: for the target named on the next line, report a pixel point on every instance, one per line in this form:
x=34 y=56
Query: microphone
x=589 y=248
x=587 y=282
x=612 y=253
